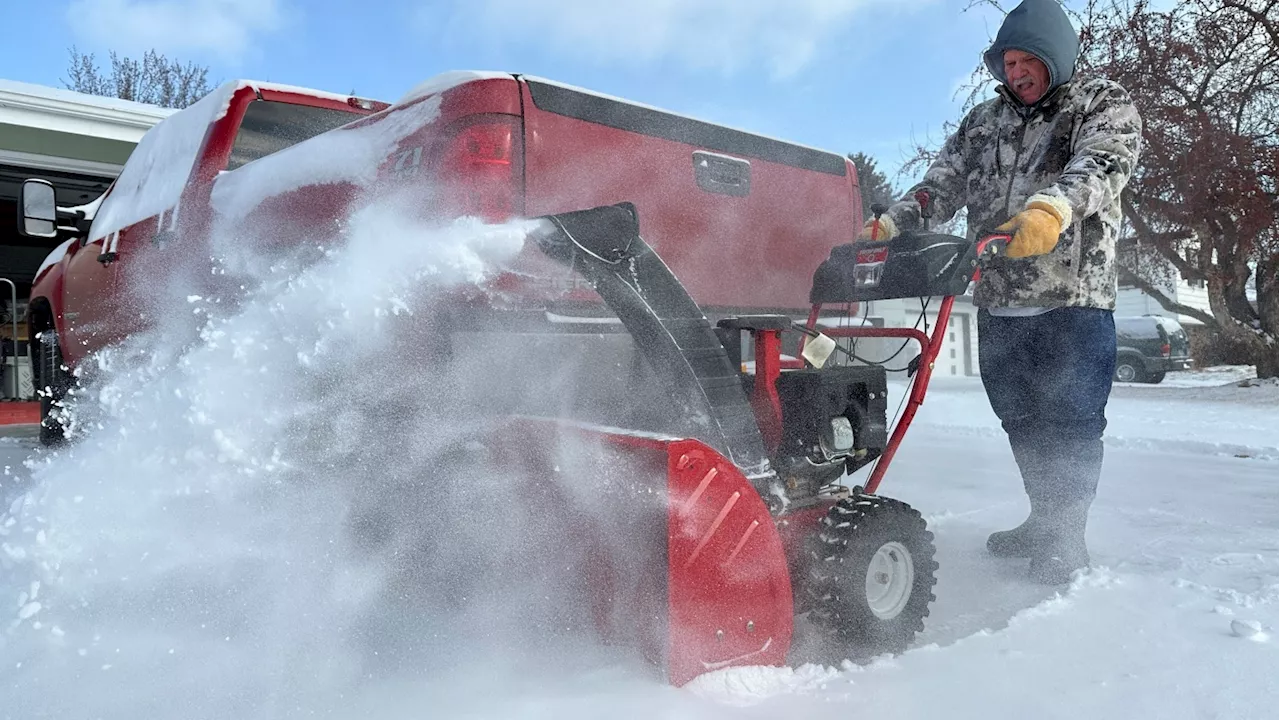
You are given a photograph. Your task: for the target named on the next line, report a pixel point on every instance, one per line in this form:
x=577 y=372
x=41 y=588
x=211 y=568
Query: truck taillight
x=480 y=171
x=1165 y=349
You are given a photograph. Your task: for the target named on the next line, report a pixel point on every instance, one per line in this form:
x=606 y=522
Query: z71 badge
x=407 y=162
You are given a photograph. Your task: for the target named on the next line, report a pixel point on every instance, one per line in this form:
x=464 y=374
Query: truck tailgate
x=742 y=220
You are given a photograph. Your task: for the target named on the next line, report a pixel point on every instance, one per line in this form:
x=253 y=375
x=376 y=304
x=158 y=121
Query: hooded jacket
x=1076 y=149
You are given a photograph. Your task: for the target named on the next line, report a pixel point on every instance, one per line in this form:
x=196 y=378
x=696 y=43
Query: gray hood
x=1042 y=28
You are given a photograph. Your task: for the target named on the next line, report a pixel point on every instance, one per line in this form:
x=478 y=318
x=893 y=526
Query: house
x=1133 y=301
x=959 y=353
x=79 y=143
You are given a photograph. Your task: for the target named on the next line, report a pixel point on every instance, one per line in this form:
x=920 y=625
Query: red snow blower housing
x=756 y=526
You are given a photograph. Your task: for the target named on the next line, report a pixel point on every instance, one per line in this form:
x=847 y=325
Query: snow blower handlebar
x=989 y=246
x=993 y=245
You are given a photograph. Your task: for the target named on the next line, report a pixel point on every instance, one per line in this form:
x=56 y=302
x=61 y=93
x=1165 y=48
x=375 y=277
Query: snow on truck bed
x=160 y=166
x=448 y=80
x=349 y=154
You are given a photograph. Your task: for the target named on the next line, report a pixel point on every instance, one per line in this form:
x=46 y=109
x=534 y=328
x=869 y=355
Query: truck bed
x=709 y=197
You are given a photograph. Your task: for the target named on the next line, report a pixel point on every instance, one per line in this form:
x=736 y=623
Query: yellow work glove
x=886 y=231
x=1036 y=229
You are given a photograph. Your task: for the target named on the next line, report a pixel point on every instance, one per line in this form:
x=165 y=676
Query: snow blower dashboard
x=911 y=265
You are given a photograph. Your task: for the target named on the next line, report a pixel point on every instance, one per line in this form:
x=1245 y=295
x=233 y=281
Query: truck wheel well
x=39 y=316
x=1132 y=356
x=1133 y=360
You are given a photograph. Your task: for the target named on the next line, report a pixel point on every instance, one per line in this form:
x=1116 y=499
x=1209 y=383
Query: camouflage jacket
x=1078 y=146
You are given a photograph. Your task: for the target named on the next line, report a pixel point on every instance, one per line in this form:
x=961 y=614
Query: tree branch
x=1259 y=17
x=1143 y=231
x=1129 y=277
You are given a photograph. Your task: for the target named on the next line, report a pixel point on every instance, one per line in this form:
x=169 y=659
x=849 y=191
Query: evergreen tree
x=873 y=185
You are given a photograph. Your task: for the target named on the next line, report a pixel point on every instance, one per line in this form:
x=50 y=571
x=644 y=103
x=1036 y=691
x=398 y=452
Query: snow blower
x=732 y=499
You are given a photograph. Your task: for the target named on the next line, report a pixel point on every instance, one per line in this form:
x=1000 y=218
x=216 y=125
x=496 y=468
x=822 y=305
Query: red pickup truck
x=741 y=219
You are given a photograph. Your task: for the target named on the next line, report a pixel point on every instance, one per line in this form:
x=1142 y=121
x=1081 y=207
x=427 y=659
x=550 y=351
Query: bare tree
x=1204 y=200
x=155 y=79
x=84 y=76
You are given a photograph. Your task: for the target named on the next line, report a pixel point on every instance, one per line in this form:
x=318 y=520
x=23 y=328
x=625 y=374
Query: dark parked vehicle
x=1149 y=346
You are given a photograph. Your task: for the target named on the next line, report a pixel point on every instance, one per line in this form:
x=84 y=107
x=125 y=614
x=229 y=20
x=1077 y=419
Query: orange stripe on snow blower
x=715 y=525
x=743 y=541
x=702 y=487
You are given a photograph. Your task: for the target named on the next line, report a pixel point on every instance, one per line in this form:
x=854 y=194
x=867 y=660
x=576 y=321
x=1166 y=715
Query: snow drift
x=274 y=504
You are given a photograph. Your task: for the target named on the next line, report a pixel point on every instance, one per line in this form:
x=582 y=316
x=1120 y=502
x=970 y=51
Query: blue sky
x=843 y=75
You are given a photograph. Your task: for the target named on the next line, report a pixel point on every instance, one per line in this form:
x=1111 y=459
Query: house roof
x=69 y=111
x=54 y=129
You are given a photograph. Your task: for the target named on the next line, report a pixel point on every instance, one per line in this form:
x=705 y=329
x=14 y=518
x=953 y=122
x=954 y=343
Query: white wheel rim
x=890 y=578
x=1126 y=373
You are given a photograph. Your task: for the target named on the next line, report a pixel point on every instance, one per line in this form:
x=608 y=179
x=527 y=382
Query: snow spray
x=279 y=509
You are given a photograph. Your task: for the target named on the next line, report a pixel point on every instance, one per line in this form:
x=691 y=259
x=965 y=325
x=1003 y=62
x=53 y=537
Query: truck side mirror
x=39 y=218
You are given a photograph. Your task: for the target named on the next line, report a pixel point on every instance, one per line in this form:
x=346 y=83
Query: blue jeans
x=1048 y=378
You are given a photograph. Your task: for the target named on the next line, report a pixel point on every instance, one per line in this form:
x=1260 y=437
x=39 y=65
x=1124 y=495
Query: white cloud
x=718 y=35
x=225 y=29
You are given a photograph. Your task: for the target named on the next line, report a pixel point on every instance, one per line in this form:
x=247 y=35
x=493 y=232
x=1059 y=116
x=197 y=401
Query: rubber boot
x=1062 y=549
x=1022 y=541
x=1069 y=484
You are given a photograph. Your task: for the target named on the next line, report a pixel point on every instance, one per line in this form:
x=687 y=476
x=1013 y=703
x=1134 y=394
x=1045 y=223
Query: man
x=1046 y=162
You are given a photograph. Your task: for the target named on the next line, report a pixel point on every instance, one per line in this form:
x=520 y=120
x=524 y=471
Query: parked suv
x=1149 y=346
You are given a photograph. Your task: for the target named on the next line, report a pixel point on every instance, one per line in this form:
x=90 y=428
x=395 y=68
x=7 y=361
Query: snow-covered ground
x=1184 y=540
x=1197 y=417
x=182 y=561
x=1204 y=377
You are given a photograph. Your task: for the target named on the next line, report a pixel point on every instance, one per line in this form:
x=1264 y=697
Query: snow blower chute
x=752 y=523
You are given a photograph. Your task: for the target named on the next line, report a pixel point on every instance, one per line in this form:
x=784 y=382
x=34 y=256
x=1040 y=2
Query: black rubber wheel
x=870 y=577
x=1130 y=369
x=53 y=382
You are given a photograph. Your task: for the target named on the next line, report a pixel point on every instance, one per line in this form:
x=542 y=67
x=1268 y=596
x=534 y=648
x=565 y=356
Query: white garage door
x=954 y=358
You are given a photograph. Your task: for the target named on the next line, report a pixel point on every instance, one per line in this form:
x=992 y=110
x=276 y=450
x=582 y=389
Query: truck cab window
x=270 y=127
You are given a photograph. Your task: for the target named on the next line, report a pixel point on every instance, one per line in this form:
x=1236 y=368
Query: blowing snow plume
x=293 y=507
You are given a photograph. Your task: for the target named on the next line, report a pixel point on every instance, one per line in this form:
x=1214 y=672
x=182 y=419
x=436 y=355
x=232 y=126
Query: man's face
x=1026 y=75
